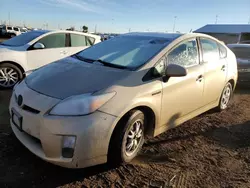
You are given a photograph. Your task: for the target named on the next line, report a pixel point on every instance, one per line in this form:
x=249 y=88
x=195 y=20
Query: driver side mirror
x=39 y=46
x=174 y=70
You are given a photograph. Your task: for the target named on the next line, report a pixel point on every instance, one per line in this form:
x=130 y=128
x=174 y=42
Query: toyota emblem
x=20 y=100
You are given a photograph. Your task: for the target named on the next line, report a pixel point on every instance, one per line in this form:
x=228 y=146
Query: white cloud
x=81 y=5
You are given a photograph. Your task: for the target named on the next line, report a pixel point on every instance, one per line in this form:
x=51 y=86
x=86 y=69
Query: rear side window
x=16 y=29
x=54 y=40
x=210 y=50
x=90 y=41
x=223 y=51
x=77 y=40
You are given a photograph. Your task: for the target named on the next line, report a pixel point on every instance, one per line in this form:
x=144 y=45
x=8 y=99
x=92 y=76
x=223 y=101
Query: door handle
x=63 y=52
x=223 y=68
x=199 y=79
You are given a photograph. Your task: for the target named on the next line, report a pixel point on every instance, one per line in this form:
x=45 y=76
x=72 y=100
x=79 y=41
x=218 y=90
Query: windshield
x=22 y=39
x=126 y=51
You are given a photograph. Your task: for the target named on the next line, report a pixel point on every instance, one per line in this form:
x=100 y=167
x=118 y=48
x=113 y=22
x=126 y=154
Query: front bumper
x=42 y=134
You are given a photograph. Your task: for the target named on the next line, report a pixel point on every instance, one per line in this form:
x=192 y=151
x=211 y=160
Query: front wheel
x=9 y=75
x=225 y=97
x=127 y=139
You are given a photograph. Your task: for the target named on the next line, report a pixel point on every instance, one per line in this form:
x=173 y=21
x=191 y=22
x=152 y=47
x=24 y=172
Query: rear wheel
x=12 y=35
x=225 y=98
x=9 y=75
x=127 y=139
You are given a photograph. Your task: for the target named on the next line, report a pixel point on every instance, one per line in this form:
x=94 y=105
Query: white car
x=11 y=31
x=35 y=49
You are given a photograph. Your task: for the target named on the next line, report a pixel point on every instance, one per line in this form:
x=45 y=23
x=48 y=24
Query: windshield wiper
x=105 y=63
x=84 y=59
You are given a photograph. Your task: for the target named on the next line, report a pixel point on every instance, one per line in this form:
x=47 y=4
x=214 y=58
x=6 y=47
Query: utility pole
x=9 y=18
x=174 y=23
x=216 y=19
x=95 y=28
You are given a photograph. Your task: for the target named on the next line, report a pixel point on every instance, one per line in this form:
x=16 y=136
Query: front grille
x=29 y=109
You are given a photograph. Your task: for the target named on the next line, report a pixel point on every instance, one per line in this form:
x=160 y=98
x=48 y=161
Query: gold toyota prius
x=99 y=104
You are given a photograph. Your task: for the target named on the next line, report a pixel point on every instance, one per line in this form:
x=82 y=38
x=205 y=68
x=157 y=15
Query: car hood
x=70 y=76
x=10 y=48
x=3 y=48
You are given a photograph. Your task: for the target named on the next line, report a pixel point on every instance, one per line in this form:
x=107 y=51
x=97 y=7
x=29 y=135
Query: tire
x=225 y=97
x=120 y=141
x=9 y=73
x=12 y=35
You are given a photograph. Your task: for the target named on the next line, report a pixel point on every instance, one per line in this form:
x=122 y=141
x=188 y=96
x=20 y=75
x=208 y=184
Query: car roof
x=170 y=36
x=74 y=32
x=238 y=45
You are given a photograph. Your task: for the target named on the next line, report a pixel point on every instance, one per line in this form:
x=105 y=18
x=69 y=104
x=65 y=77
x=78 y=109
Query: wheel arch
x=149 y=128
x=232 y=82
x=16 y=64
x=150 y=120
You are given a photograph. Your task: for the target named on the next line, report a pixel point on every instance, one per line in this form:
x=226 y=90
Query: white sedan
x=35 y=49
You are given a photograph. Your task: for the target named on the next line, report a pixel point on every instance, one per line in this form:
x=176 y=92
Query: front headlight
x=81 y=104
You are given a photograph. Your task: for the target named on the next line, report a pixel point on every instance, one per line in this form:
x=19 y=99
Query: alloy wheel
x=8 y=77
x=226 y=97
x=134 y=137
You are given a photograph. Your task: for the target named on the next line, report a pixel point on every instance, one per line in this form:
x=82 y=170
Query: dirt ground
x=212 y=150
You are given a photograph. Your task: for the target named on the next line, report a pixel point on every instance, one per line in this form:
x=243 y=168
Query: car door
x=215 y=70
x=183 y=95
x=55 y=48
x=78 y=43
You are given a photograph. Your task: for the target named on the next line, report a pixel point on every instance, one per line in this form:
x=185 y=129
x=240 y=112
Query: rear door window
x=77 y=40
x=57 y=40
x=210 y=49
x=16 y=29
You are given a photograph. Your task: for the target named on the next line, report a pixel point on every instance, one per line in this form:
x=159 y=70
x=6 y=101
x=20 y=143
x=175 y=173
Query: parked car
x=99 y=104
x=1 y=28
x=34 y=49
x=11 y=31
x=242 y=52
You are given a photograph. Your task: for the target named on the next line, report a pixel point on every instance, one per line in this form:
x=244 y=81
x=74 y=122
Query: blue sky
x=120 y=15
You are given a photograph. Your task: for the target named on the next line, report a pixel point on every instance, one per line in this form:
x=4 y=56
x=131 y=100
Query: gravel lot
x=212 y=150
x=2 y=39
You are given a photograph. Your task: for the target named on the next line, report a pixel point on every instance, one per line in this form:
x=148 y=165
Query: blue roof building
x=229 y=33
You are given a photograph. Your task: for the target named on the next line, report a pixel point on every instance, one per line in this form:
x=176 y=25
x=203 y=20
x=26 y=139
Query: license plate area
x=16 y=119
